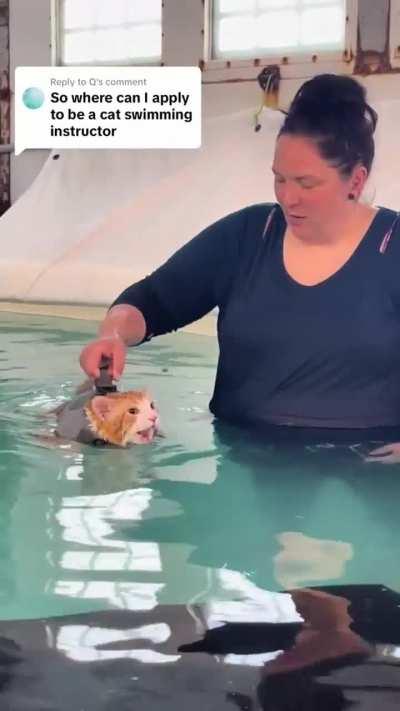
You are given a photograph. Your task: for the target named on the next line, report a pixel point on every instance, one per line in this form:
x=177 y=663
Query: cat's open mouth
x=146 y=435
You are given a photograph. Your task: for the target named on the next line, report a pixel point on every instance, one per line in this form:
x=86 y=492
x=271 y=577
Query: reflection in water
x=281 y=516
x=317 y=512
x=211 y=517
x=12 y=474
x=206 y=499
x=86 y=643
x=305 y=558
x=137 y=556
x=88 y=521
x=325 y=633
x=102 y=661
x=125 y=595
x=324 y=644
x=245 y=602
x=326 y=661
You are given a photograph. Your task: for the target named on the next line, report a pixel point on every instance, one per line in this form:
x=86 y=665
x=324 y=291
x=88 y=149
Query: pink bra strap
x=385 y=241
x=268 y=222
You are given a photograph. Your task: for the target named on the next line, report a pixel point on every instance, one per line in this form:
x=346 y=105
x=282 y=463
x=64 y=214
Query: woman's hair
x=333 y=112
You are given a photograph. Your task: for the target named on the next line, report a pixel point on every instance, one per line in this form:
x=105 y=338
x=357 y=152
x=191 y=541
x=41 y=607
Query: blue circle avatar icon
x=33 y=98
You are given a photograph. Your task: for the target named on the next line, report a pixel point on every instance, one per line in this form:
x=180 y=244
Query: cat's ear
x=101 y=406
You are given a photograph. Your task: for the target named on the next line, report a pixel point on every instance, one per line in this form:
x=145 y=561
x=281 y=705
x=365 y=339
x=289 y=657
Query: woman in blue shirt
x=307 y=288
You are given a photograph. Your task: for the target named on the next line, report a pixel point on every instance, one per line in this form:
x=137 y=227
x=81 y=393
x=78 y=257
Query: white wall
x=183 y=27
x=95 y=221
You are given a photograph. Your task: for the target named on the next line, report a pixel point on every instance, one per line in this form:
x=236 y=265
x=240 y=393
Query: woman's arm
x=123 y=326
x=191 y=283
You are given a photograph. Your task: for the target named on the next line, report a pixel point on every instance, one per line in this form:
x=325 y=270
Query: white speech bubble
x=107 y=107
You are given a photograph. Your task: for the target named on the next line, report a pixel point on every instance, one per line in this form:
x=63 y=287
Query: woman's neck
x=349 y=227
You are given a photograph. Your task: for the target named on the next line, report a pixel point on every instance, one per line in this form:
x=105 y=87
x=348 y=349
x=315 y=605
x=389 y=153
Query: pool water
x=208 y=520
x=195 y=514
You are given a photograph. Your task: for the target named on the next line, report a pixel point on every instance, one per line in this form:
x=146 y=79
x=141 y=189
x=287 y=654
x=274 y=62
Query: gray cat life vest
x=72 y=422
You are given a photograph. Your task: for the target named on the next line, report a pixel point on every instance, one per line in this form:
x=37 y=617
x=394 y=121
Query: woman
x=307 y=289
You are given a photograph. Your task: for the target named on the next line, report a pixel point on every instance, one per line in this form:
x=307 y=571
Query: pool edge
x=206 y=326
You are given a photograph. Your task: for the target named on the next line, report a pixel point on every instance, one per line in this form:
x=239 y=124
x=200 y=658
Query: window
x=394 y=34
x=108 y=32
x=254 y=28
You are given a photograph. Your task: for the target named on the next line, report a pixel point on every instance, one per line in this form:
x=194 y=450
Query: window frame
x=57 y=45
x=394 y=34
x=295 y=65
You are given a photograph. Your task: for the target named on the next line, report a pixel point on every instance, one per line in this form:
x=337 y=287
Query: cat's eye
x=133 y=410
x=152 y=405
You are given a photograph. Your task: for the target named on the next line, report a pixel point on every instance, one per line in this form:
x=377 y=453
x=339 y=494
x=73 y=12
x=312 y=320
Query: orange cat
x=123 y=418
x=114 y=418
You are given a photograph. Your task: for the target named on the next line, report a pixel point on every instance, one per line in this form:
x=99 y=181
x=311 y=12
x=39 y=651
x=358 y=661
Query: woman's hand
x=387 y=454
x=112 y=348
x=124 y=325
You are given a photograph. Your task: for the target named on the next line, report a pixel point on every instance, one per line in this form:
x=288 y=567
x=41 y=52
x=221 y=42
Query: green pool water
x=202 y=517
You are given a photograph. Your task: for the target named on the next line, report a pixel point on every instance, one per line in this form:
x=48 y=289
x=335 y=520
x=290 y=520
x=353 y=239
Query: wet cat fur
x=116 y=418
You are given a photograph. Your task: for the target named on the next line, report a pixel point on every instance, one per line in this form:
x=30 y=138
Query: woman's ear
x=358 y=180
x=101 y=406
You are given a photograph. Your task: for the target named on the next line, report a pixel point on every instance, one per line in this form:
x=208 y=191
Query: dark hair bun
x=333 y=111
x=327 y=93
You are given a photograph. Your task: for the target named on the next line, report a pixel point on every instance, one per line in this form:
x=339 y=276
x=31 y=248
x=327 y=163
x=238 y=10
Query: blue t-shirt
x=310 y=356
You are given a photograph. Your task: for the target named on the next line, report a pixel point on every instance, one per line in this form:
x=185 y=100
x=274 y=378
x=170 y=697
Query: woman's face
x=310 y=191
